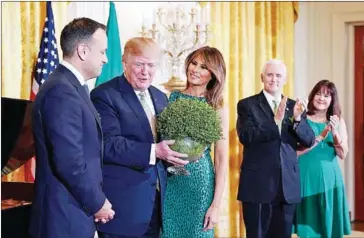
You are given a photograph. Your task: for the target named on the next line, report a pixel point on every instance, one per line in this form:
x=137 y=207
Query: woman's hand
x=334 y=124
x=210 y=218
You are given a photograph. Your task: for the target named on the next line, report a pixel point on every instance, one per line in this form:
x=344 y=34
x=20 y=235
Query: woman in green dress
x=192 y=202
x=323 y=211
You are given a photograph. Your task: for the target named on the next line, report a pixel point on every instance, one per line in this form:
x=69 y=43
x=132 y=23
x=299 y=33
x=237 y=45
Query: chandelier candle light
x=178 y=31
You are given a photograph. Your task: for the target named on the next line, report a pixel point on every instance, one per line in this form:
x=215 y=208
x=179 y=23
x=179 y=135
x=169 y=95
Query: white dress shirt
x=77 y=73
x=270 y=99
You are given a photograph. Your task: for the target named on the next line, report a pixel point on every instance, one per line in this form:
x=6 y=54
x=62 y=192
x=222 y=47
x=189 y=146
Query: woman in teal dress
x=191 y=202
x=323 y=211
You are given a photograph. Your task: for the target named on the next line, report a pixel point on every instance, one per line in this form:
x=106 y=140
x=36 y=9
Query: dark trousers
x=269 y=220
x=153 y=230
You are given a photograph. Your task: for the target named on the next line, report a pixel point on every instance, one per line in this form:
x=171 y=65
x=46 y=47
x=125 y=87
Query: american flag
x=47 y=61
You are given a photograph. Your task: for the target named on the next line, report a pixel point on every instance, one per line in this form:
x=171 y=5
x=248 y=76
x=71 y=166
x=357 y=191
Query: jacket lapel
x=158 y=105
x=264 y=105
x=128 y=94
x=74 y=81
x=289 y=111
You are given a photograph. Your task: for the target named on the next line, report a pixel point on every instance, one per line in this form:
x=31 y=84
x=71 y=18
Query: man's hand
x=281 y=110
x=105 y=214
x=163 y=152
x=299 y=108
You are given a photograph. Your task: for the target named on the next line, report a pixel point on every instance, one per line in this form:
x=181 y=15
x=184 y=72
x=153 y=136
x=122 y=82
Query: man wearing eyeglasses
x=134 y=175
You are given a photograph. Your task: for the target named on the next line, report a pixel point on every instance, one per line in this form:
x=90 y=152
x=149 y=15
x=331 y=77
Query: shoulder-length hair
x=330 y=88
x=215 y=63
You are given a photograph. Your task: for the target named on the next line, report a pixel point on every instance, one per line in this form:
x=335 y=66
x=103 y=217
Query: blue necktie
x=85 y=86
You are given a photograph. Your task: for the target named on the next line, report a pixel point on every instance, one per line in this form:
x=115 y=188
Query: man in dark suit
x=270 y=126
x=68 y=140
x=134 y=175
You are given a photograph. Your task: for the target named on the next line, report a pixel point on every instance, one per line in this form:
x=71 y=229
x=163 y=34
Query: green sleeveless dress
x=323 y=211
x=187 y=198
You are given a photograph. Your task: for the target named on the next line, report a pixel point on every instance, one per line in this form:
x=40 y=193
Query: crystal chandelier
x=178 y=30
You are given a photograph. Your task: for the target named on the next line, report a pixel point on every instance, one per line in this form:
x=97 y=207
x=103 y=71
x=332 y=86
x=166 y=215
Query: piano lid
x=17 y=144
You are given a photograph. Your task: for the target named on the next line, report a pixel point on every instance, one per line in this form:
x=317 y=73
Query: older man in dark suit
x=270 y=127
x=68 y=140
x=134 y=173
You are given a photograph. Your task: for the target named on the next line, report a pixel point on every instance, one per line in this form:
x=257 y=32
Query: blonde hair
x=139 y=46
x=215 y=63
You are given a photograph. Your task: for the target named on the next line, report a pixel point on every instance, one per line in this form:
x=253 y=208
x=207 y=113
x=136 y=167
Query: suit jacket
x=129 y=179
x=268 y=155
x=68 y=143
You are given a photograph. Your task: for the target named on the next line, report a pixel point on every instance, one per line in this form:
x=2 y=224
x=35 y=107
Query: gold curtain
x=22 y=26
x=248 y=34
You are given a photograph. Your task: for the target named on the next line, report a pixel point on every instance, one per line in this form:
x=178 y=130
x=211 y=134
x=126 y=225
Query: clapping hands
x=299 y=108
x=334 y=123
x=332 y=126
x=281 y=110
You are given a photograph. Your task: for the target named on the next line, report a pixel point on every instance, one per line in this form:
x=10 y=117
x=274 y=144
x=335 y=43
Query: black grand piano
x=17 y=147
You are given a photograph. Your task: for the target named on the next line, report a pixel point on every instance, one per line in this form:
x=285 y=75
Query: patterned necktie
x=152 y=122
x=87 y=90
x=149 y=113
x=275 y=106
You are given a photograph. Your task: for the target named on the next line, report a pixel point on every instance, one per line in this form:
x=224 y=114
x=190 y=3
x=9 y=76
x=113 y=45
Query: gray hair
x=275 y=62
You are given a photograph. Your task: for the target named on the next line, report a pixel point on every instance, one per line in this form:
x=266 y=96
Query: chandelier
x=178 y=30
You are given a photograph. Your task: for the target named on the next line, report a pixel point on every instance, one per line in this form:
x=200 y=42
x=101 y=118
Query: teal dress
x=323 y=211
x=188 y=198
